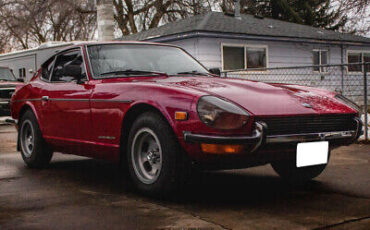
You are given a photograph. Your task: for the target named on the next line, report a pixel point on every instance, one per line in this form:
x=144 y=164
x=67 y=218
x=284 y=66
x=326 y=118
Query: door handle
x=45 y=98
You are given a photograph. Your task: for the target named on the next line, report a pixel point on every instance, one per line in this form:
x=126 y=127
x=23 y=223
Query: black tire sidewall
x=41 y=153
x=171 y=169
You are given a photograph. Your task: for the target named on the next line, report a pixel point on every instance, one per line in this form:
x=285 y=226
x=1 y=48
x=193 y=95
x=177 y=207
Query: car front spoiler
x=259 y=137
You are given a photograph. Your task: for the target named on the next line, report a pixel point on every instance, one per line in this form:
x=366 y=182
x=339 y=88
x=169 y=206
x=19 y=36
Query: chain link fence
x=351 y=80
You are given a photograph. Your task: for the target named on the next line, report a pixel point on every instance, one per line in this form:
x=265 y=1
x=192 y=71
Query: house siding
x=287 y=54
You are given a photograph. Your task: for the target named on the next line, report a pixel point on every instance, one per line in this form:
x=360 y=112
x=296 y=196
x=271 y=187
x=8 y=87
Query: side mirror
x=215 y=71
x=20 y=79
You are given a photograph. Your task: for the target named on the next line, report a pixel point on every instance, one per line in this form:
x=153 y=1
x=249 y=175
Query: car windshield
x=6 y=75
x=133 y=59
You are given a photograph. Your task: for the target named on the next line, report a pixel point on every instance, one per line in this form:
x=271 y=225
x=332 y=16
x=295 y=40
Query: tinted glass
x=324 y=60
x=316 y=60
x=118 y=57
x=46 y=68
x=233 y=58
x=6 y=75
x=354 y=58
x=256 y=57
x=64 y=63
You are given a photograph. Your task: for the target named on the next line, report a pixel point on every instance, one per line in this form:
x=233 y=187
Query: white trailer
x=25 y=62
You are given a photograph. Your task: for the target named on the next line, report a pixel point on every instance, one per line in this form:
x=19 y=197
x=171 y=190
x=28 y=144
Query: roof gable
x=250 y=25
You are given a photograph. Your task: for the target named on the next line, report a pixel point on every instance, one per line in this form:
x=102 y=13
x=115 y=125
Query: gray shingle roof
x=249 y=25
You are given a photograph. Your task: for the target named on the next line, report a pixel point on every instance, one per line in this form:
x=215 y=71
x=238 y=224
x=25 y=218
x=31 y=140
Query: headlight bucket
x=348 y=102
x=221 y=114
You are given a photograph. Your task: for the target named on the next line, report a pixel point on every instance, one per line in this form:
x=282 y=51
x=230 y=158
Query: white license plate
x=312 y=153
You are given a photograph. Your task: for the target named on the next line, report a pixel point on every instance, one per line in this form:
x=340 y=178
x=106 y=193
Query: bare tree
x=133 y=16
x=28 y=23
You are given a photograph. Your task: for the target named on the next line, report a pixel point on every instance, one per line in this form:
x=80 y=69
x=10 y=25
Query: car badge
x=307 y=105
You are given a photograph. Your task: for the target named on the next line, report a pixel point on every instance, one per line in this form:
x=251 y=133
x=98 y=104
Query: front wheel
x=155 y=159
x=35 y=152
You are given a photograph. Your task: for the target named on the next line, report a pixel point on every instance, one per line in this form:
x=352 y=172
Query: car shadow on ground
x=217 y=187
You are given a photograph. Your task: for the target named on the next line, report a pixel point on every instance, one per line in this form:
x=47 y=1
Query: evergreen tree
x=317 y=13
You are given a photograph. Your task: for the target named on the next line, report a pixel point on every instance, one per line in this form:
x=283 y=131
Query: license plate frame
x=312 y=153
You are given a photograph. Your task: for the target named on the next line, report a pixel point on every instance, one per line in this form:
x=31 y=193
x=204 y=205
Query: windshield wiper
x=195 y=72
x=132 y=72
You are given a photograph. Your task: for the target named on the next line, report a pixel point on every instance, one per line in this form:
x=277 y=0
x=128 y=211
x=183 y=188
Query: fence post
x=365 y=102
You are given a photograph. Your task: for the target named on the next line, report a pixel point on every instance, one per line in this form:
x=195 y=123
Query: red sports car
x=159 y=113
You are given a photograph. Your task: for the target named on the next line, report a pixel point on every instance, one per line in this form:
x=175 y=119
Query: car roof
x=86 y=43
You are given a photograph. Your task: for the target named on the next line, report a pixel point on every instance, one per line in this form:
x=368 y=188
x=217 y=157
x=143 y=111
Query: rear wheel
x=290 y=172
x=35 y=152
x=156 y=161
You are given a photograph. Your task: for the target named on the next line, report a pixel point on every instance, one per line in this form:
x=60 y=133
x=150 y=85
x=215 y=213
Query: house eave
x=206 y=34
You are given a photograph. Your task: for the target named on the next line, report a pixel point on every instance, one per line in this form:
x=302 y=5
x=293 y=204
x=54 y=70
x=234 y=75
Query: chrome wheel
x=146 y=155
x=27 y=138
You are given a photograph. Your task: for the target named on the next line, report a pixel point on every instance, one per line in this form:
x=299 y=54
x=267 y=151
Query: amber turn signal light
x=181 y=116
x=221 y=149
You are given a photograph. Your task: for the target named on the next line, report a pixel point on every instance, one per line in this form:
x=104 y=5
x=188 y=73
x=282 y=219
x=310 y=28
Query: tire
x=288 y=171
x=35 y=152
x=155 y=160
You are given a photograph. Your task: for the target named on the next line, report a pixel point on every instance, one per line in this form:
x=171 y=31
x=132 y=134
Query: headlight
x=348 y=102
x=221 y=114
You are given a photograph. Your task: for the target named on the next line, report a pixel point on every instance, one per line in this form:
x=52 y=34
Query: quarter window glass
x=46 y=68
x=65 y=64
x=354 y=58
x=233 y=58
x=256 y=57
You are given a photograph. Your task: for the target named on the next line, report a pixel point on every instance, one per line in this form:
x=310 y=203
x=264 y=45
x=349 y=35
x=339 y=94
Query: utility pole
x=105 y=20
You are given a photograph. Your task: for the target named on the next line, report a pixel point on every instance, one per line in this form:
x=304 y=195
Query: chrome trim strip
x=32 y=99
x=71 y=99
x=12 y=88
x=4 y=102
x=107 y=100
x=310 y=137
x=68 y=99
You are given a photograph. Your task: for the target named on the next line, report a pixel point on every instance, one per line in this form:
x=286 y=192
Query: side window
x=22 y=73
x=46 y=68
x=320 y=57
x=68 y=67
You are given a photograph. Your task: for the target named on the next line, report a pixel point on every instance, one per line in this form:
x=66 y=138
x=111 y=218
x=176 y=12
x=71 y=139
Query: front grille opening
x=309 y=124
x=6 y=94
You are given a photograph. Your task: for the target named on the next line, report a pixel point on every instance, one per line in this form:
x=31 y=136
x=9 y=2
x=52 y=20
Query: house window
x=320 y=57
x=233 y=58
x=356 y=58
x=244 y=57
x=22 y=73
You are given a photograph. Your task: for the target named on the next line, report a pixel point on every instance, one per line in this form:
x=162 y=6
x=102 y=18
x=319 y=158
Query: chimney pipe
x=237 y=10
x=105 y=20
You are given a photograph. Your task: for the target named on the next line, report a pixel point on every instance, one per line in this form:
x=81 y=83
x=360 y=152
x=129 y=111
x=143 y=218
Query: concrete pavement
x=80 y=193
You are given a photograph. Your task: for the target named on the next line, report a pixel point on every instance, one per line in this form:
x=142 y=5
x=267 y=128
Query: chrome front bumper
x=259 y=138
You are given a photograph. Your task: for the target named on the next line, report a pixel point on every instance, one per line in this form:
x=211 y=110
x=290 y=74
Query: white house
x=227 y=42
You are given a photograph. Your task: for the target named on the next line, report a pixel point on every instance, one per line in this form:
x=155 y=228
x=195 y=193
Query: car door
x=66 y=102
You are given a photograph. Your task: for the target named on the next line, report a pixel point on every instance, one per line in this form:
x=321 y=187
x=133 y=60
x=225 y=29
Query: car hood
x=262 y=99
